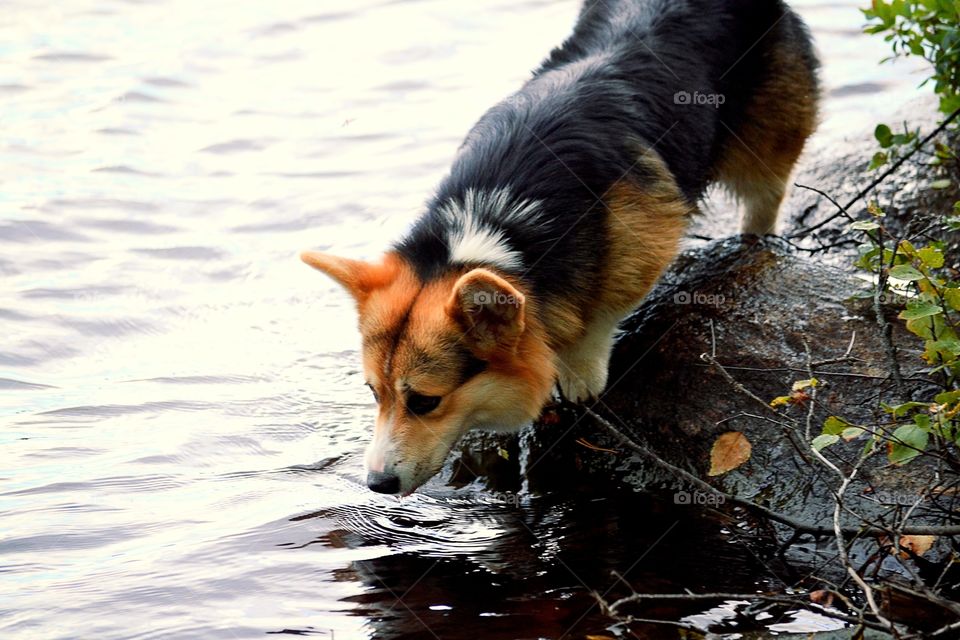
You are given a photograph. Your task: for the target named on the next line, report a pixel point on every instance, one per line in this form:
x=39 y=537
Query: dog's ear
x=490 y=310
x=359 y=278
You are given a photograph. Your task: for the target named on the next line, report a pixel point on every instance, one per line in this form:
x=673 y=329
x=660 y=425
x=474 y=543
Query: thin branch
x=739 y=387
x=846 y=480
x=873 y=184
x=793 y=523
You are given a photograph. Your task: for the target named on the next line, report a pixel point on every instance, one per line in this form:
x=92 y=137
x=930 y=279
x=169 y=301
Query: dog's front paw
x=583 y=385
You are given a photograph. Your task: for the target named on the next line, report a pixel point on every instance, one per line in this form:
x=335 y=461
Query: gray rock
x=757 y=306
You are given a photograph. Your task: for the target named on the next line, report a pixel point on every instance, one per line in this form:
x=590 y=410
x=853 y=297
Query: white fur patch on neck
x=472 y=239
x=473 y=243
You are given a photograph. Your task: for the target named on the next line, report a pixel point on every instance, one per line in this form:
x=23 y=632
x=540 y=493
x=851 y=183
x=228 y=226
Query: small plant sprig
x=929 y=29
x=915 y=277
x=920 y=279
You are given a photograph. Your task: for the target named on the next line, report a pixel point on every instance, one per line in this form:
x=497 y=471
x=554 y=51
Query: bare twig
x=793 y=523
x=843 y=210
x=739 y=387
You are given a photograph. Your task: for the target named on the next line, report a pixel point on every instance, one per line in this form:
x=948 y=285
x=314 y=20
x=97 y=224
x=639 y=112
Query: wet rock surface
x=841 y=171
x=766 y=315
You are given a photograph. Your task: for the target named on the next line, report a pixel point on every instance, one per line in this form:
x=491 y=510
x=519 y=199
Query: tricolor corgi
x=564 y=205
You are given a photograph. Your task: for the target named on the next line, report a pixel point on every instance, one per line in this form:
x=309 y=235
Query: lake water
x=183 y=415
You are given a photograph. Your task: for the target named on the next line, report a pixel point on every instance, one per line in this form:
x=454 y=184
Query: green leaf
x=852 y=433
x=908 y=439
x=878 y=160
x=947 y=397
x=948 y=349
x=834 y=426
x=906 y=247
x=923 y=327
x=822 y=441
x=941 y=184
x=863 y=225
x=906 y=272
x=931 y=257
x=884 y=135
x=949 y=103
x=868 y=261
x=900 y=410
x=920 y=309
x=952 y=298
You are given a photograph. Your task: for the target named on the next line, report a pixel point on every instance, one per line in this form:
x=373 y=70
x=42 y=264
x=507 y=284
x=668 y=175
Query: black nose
x=383 y=482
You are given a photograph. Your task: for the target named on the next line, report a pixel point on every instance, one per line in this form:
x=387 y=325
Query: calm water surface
x=182 y=411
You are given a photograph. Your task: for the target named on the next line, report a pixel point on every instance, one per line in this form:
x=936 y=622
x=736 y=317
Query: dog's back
x=696 y=67
x=719 y=90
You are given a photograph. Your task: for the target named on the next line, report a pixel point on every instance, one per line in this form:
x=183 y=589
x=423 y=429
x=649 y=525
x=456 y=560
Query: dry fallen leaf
x=730 y=451
x=917 y=544
x=822 y=597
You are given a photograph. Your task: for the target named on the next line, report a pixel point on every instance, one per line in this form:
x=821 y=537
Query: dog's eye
x=376 y=396
x=421 y=405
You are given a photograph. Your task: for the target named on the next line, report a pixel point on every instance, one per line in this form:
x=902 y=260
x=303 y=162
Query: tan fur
x=564 y=318
x=644 y=227
x=760 y=155
x=410 y=337
x=510 y=392
x=357 y=277
x=490 y=311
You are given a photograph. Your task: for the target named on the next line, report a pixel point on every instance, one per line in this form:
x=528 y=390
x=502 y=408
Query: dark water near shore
x=181 y=410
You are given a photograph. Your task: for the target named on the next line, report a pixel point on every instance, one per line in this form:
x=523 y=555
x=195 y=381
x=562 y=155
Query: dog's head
x=459 y=351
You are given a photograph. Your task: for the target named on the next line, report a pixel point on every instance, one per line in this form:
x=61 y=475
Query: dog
x=564 y=205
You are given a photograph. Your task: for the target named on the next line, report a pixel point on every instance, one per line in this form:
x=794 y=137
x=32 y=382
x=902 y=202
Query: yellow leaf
x=917 y=544
x=781 y=401
x=730 y=451
x=800 y=385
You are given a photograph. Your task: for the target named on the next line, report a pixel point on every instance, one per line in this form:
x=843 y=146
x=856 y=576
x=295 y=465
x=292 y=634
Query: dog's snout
x=383 y=482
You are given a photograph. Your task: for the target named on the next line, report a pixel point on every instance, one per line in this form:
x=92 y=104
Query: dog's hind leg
x=760 y=197
x=762 y=149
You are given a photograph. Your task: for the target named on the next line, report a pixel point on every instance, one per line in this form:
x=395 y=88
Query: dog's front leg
x=582 y=367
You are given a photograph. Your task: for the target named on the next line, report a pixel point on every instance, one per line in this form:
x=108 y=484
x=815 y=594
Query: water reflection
x=539 y=566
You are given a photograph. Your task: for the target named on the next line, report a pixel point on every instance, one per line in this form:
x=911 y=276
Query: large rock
x=757 y=306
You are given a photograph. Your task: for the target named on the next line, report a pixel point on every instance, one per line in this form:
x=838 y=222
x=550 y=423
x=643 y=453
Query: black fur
x=575 y=128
